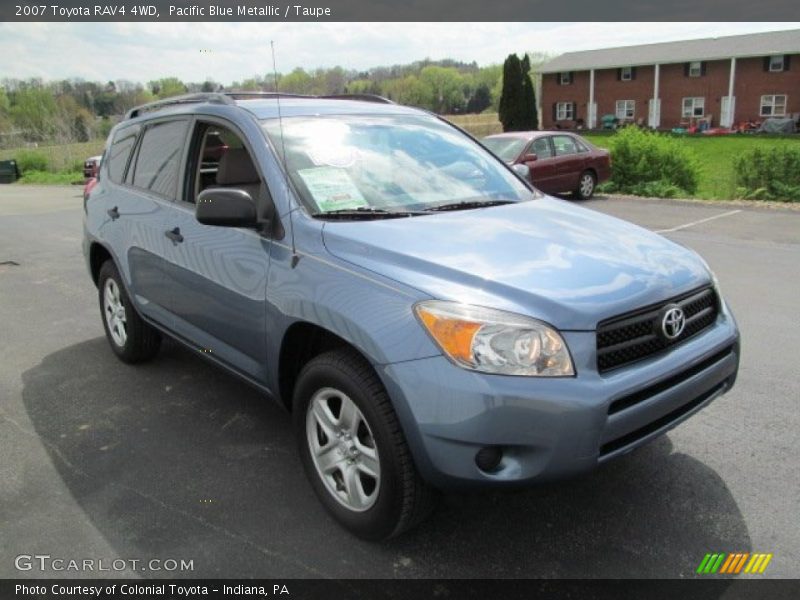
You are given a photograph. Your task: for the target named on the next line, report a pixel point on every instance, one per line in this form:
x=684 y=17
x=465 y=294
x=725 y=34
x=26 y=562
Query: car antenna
x=295 y=256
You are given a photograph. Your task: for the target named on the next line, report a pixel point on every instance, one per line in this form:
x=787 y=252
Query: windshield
x=388 y=163
x=507 y=148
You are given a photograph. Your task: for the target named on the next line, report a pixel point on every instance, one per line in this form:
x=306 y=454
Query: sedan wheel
x=586 y=185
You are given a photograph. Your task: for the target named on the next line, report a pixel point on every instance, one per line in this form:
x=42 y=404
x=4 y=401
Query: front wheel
x=353 y=450
x=586 y=185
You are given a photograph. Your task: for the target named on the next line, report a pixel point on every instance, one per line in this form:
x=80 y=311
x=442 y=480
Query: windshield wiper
x=365 y=212
x=467 y=204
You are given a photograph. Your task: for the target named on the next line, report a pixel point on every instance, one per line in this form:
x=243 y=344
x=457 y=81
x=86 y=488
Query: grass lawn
x=716 y=153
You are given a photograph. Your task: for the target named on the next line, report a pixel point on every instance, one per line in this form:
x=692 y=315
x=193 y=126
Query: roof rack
x=245 y=95
x=364 y=97
x=230 y=97
x=213 y=97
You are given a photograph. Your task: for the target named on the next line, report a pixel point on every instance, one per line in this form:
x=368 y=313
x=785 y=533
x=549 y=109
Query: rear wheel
x=131 y=339
x=353 y=450
x=586 y=185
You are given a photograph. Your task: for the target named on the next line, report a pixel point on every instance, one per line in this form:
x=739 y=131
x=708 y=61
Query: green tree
x=517 y=100
x=296 y=82
x=167 y=87
x=528 y=114
x=481 y=99
x=445 y=85
x=511 y=95
x=32 y=111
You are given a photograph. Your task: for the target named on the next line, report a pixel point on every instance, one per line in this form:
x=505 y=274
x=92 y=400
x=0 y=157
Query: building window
x=565 y=78
x=626 y=73
x=694 y=107
x=773 y=105
x=776 y=63
x=695 y=69
x=626 y=109
x=564 y=111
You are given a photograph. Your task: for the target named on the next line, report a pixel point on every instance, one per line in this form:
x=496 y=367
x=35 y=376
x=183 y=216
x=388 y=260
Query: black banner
x=394 y=10
x=373 y=589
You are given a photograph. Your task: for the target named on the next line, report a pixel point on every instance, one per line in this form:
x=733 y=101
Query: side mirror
x=530 y=157
x=522 y=170
x=226 y=207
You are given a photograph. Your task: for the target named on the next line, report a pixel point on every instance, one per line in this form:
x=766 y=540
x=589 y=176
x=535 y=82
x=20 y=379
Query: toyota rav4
x=430 y=319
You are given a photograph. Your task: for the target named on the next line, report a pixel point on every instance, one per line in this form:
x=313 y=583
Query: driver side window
x=224 y=161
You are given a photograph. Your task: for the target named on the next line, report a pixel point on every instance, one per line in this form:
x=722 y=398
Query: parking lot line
x=693 y=223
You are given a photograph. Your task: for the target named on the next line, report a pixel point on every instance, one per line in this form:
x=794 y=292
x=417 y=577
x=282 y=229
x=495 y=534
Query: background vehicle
x=91 y=166
x=558 y=161
x=430 y=319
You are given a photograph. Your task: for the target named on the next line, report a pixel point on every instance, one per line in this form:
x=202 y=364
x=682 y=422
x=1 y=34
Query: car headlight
x=494 y=341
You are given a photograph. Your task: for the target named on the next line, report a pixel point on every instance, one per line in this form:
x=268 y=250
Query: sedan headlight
x=493 y=341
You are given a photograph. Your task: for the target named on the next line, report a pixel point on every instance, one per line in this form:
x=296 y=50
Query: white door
x=654 y=113
x=592 y=120
x=727 y=108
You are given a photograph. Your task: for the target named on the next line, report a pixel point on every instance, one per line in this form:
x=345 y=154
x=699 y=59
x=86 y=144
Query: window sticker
x=332 y=188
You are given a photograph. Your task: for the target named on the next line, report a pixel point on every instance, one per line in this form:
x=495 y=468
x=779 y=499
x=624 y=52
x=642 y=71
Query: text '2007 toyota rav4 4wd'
x=430 y=319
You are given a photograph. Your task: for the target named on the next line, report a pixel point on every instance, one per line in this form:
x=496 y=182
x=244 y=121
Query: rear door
x=218 y=275
x=543 y=169
x=568 y=163
x=134 y=229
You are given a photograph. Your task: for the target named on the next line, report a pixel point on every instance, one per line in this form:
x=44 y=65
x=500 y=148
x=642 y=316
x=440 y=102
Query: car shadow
x=176 y=459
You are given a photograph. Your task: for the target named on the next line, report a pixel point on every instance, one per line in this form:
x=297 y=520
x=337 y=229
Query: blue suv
x=431 y=320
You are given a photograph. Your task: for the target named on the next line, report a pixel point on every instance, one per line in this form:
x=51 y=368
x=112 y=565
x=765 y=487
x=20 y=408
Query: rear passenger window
x=119 y=152
x=158 y=159
x=565 y=145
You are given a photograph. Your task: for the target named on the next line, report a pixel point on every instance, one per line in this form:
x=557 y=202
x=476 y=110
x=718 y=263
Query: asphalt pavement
x=177 y=460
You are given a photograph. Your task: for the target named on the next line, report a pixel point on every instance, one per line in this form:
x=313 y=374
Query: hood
x=547 y=258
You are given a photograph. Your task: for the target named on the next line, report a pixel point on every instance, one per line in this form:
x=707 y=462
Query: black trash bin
x=9 y=172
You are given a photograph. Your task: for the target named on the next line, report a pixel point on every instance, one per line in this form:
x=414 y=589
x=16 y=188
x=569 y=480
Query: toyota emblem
x=673 y=322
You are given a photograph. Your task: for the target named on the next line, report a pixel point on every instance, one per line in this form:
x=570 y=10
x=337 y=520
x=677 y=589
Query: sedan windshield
x=355 y=164
x=507 y=148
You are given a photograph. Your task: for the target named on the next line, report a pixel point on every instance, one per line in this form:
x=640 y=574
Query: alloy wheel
x=114 y=312
x=343 y=449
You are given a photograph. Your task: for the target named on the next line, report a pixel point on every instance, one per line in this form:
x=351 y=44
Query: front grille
x=636 y=335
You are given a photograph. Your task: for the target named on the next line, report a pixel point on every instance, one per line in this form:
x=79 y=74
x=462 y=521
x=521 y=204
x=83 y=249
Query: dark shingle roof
x=753 y=44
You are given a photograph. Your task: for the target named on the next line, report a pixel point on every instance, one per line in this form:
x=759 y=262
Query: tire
x=131 y=339
x=586 y=184
x=379 y=494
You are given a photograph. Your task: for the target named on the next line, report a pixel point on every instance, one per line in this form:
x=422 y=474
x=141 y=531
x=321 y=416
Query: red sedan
x=558 y=161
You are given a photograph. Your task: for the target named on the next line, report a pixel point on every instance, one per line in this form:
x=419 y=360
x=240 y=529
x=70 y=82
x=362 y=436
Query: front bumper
x=554 y=427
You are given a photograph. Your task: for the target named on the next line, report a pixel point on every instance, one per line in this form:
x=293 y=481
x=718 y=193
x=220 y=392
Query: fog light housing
x=488 y=458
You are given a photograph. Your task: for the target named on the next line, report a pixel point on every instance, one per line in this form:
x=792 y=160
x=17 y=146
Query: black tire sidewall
x=380 y=520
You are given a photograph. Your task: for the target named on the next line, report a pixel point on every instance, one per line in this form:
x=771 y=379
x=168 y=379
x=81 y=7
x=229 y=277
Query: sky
x=227 y=52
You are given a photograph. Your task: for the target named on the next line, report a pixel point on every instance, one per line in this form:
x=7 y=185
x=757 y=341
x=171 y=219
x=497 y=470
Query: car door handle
x=174 y=235
x=113 y=213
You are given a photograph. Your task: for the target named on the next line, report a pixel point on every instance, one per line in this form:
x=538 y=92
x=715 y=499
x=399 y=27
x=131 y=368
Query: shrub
x=769 y=174
x=647 y=163
x=29 y=160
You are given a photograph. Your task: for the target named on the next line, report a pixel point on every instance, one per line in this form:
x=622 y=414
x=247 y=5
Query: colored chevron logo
x=734 y=563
